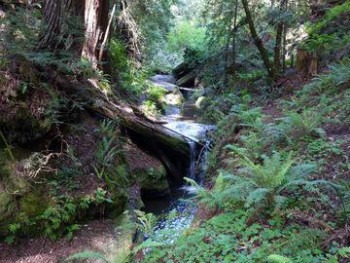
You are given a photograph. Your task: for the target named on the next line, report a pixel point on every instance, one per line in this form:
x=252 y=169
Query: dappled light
x=174 y=131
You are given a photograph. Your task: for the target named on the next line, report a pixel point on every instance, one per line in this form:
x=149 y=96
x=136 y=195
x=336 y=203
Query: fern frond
x=274 y=258
x=257 y=196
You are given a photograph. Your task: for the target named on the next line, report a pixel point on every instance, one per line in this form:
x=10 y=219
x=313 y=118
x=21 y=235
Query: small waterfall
x=202 y=162
x=193 y=160
x=182 y=212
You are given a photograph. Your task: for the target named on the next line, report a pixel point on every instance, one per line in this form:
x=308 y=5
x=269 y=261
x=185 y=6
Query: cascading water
x=180 y=210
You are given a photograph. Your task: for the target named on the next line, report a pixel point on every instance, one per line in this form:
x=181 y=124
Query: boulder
x=147 y=171
x=163 y=78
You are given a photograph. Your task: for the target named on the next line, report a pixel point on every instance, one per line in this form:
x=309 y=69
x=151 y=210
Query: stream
x=177 y=211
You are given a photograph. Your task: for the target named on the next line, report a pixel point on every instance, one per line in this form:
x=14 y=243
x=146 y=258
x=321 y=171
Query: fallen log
x=110 y=108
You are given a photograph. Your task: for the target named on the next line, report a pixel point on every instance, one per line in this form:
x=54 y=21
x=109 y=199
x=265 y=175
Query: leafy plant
x=329 y=82
x=299 y=125
x=260 y=186
x=107 y=153
x=274 y=258
x=8 y=147
x=145 y=222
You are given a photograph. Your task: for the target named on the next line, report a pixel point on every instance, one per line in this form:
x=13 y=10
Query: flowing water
x=179 y=212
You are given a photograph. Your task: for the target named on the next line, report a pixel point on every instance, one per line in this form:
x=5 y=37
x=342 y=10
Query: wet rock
x=163 y=78
x=169 y=87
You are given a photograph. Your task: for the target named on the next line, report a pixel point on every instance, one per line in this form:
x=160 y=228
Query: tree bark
x=279 y=39
x=52 y=22
x=96 y=22
x=234 y=42
x=284 y=49
x=258 y=42
x=307 y=63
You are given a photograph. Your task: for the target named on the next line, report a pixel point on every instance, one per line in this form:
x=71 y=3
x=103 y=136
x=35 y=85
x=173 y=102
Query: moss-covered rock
x=148 y=171
x=153 y=180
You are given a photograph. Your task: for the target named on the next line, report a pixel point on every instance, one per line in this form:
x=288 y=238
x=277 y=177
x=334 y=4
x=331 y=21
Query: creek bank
x=56 y=173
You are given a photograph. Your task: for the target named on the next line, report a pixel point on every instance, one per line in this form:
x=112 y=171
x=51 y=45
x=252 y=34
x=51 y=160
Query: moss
x=7 y=210
x=33 y=203
x=118 y=206
x=153 y=180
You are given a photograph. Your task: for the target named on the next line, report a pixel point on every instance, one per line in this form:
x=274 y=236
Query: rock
x=148 y=171
x=169 y=87
x=199 y=102
x=174 y=98
x=153 y=181
x=163 y=78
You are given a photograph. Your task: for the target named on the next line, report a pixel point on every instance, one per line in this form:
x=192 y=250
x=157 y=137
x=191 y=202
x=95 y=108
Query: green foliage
x=14 y=229
x=22 y=29
x=145 y=222
x=262 y=187
x=118 y=55
x=331 y=14
x=60 y=217
x=326 y=43
x=272 y=173
x=189 y=40
x=230 y=238
x=131 y=78
x=278 y=259
x=330 y=82
x=321 y=148
x=300 y=125
x=216 y=108
x=108 y=153
x=326 y=96
x=156 y=93
x=338 y=255
x=252 y=75
x=8 y=147
x=54 y=218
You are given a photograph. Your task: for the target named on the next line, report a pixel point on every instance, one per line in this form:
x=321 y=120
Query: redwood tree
x=96 y=22
x=95 y=16
x=53 y=22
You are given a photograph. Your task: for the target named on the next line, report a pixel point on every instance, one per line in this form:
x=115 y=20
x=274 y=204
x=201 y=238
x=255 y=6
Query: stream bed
x=177 y=211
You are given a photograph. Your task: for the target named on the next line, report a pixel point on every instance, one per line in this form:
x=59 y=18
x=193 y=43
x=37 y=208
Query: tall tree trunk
x=96 y=21
x=53 y=12
x=258 y=42
x=277 y=49
x=234 y=45
x=279 y=37
x=284 y=49
x=227 y=50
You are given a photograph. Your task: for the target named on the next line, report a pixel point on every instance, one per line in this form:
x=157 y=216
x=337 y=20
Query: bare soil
x=99 y=236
